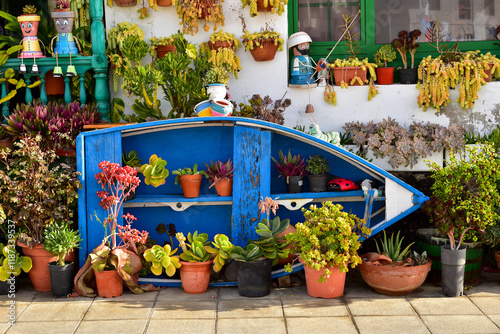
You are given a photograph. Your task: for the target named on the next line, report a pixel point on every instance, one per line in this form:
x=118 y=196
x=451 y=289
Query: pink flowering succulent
x=116 y=182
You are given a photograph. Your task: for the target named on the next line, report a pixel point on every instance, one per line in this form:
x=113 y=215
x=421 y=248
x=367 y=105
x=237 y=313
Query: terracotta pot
x=125 y=3
x=291 y=257
x=7 y=143
x=220 y=45
x=262 y=8
x=62 y=9
x=195 y=276
x=191 y=185
x=39 y=273
x=162 y=50
x=346 y=74
x=395 y=281
x=109 y=283
x=332 y=288
x=224 y=187
x=63 y=152
x=497 y=258
x=385 y=75
x=164 y=3
x=53 y=85
x=488 y=72
x=265 y=52
x=206 y=8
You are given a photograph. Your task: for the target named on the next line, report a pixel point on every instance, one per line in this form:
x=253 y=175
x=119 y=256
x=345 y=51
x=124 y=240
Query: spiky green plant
x=188 y=171
x=392 y=248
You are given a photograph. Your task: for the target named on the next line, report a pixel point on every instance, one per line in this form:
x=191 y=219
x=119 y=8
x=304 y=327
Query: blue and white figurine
x=302 y=68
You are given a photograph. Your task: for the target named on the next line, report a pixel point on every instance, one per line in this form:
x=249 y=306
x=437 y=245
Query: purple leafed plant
x=218 y=171
x=290 y=165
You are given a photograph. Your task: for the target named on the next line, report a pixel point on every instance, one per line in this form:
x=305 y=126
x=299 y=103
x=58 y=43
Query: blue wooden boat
x=250 y=144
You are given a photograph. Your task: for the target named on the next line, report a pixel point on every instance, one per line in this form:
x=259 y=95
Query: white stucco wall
x=271 y=78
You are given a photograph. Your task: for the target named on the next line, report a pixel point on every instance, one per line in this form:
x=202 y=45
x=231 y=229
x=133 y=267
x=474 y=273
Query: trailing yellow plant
x=255 y=40
x=437 y=75
x=224 y=57
x=277 y=6
x=190 y=11
x=372 y=90
x=330 y=95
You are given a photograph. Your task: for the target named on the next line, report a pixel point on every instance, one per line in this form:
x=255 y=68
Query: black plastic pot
x=294 y=184
x=408 y=76
x=9 y=286
x=61 y=279
x=254 y=278
x=317 y=183
x=453 y=268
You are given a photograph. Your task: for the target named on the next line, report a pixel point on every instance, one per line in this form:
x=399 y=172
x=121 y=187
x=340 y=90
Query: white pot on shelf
x=216 y=91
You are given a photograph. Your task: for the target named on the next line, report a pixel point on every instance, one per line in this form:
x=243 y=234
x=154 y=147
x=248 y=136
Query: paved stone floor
x=287 y=310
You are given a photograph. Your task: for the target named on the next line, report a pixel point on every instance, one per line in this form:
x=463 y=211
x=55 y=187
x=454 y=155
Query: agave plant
x=155 y=172
x=218 y=171
x=290 y=165
x=392 y=248
x=162 y=257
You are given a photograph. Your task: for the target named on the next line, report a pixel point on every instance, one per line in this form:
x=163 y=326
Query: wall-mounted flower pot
x=385 y=75
x=224 y=187
x=346 y=74
x=265 y=52
x=109 y=283
x=294 y=184
x=61 y=279
x=190 y=185
x=162 y=50
x=408 y=76
x=125 y=3
x=254 y=278
x=220 y=45
x=164 y=3
x=453 y=263
x=206 y=8
x=262 y=8
x=195 y=276
x=317 y=183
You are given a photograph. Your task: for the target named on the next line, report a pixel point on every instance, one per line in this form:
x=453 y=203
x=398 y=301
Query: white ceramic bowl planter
x=216 y=91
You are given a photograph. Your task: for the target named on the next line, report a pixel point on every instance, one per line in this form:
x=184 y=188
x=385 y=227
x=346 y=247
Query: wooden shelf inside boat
x=177 y=201
x=297 y=200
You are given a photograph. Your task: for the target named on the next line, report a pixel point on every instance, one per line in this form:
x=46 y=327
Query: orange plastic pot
x=332 y=288
x=385 y=75
x=164 y=3
x=224 y=187
x=195 y=276
x=109 y=283
x=346 y=74
x=220 y=45
x=40 y=258
x=191 y=185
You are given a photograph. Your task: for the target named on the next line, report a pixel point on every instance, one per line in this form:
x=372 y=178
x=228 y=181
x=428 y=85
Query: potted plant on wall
x=273 y=6
x=292 y=169
x=221 y=175
x=386 y=54
x=190 y=11
x=254 y=262
x=318 y=166
x=190 y=180
x=197 y=257
x=464 y=197
x=34 y=190
x=327 y=243
x=160 y=46
x=407 y=42
x=264 y=44
x=60 y=239
x=391 y=270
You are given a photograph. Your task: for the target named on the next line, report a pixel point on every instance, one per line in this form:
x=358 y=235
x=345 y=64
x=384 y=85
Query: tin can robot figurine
x=302 y=68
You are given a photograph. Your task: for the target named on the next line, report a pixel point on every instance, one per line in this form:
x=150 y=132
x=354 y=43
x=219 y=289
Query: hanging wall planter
x=164 y=3
x=125 y=3
x=162 y=50
x=263 y=45
x=265 y=52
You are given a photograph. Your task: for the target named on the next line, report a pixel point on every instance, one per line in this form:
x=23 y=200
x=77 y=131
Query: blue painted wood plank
x=203 y=198
x=82 y=198
x=250 y=181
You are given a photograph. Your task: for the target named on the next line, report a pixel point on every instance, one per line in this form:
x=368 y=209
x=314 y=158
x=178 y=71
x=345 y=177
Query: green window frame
x=367 y=44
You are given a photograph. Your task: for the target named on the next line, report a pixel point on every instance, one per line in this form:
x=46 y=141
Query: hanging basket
x=125 y=3
x=164 y=3
x=162 y=50
x=266 y=51
x=220 y=45
x=262 y=8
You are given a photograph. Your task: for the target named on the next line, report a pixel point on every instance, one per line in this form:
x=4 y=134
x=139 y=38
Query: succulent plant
x=392 y=248
x=59 y=240
x=29 y=10
x=317 y=165
x=268 y=231
x=188 y=171
x=162 y=257
x=11 y=263
x=250 y=253
x=194 y=250
x=61 y=4
x=131 y=159
x=155 y=172
x=222 y=249
x=290 y=165
x=218 y=171
x=384 y=55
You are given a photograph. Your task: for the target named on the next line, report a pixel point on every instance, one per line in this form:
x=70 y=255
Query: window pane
x=321 y=18
x=462 y=20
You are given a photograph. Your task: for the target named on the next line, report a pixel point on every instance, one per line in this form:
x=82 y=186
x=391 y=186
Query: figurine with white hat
x=301 y=70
